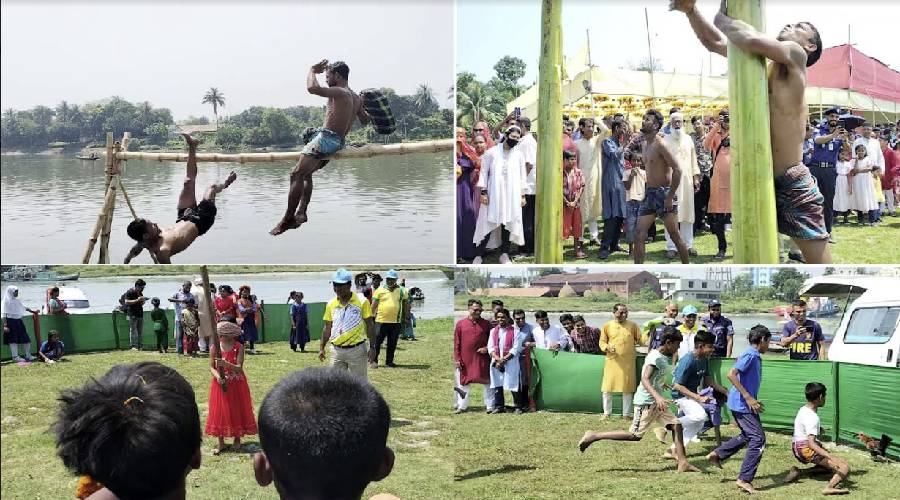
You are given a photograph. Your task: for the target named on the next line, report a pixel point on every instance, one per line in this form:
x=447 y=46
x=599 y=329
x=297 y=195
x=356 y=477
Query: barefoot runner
x=343 y=107
x=650 y=406
x=194 y=219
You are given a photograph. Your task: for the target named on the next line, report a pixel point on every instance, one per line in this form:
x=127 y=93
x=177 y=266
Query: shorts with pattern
x=203 y=215
x=655 y=202
x=645 y=415
x=799 y=205
x=805 y=454
x=324 y=144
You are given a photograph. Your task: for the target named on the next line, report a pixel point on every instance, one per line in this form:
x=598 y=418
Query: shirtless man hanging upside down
x=194 y=219
x=344 y=106
x=798 y=201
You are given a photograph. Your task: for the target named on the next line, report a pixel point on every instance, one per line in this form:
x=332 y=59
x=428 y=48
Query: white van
x=869 y=332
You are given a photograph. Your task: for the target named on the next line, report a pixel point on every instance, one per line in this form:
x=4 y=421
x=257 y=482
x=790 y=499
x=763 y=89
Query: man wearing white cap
x=390 y=306
x=682 y=147
x=348 y=324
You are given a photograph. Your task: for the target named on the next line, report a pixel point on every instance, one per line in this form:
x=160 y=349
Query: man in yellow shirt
x=618 y=339
x=348 y=324
x=390 y=306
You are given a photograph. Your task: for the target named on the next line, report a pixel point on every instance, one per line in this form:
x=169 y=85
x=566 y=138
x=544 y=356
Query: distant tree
x=424 y=99
x=476 y=278
x=216 y=98
x=787 y=281
x=195 y=120
x=546 y=271
x=474 y=105
x=515 y=282
x=228 y=136
x=646 y=64
x=646 y=294
x=281 y=127
x=510 y=69
x=157 y=133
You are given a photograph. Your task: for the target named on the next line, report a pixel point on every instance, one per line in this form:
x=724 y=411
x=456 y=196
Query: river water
x=104 y=293
x=742 y=323
x=394 y=209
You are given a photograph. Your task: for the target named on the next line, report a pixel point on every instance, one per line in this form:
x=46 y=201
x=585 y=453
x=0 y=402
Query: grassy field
x=419 y=410
x=855 y=245
x=583 y=305
x=536 y=456
x=94 y=271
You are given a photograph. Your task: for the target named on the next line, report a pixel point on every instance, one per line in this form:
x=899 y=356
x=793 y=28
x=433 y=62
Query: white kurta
x=864 y=197
x=589 y=162
x=509 y=377
x=843 y=200
x=682 y=148
x=554 y=335
x=503 y=176
x=528 y=147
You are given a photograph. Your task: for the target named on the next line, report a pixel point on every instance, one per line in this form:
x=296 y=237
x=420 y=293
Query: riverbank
x=93 y=271
x=583 y=305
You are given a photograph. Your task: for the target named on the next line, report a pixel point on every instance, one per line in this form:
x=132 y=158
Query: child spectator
x=230 y=405
x=190 y=325
x=573 y=187
x=635 y=179
x=160 y=326
x=136 y=431
x=323 y=434
x=52 y=349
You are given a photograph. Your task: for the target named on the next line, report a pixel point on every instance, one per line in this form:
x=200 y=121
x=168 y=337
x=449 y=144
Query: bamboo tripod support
x=117 y=153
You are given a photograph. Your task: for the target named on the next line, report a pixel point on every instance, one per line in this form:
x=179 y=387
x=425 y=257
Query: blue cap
x=688 y=310
x=833 y=109
x=392 y=274
x=714 y=303
x=341 y=276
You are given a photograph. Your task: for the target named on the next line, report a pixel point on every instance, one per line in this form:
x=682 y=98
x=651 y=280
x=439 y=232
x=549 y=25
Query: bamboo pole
x=210 y=314
x=112 y=182
x=367 y=151
x=548 y=214
x=108 y=200
x=752 y=181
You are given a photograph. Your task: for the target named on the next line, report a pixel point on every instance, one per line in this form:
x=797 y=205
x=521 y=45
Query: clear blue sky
x=488 y=30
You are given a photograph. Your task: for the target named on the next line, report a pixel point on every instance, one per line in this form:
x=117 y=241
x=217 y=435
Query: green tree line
x=486 y=101
x=418 y=117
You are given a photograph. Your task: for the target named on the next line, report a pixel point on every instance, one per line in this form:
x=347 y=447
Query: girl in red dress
x=230 y=410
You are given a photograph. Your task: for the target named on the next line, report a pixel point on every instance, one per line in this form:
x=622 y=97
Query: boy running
x=649 y=405
x=745 y=377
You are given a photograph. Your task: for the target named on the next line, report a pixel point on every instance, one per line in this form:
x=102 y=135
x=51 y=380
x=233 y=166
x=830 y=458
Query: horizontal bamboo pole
x=366 y=151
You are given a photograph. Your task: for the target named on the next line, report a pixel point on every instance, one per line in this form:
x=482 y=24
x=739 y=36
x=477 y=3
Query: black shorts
x=203 y=215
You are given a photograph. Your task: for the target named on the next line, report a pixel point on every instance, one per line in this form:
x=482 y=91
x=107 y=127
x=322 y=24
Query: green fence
x=107 y=331
x=860 y=398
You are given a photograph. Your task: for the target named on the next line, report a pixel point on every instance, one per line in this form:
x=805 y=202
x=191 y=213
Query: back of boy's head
x=136 y=430
x=814 y=390
x=671 y=334
x=704 y=337
x=758 y=334
x=324 y=433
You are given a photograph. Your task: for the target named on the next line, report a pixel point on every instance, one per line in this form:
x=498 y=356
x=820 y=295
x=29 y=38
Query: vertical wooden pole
x=548 y=223
x=752 y=181
x=111 y=185
x=101 y=220
x=210 y=314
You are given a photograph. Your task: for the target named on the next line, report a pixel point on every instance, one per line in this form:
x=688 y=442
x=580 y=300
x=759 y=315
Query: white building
x=690 y=289
x=761 y=276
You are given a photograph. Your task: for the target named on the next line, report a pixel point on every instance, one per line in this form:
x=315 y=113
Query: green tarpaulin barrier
x=860 y=398
x=108 y=331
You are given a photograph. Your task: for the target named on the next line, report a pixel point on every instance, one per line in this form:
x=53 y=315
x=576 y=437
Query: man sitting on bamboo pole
x=194 y=219
x=343 y=107
x=798 y=200
x=663 y=179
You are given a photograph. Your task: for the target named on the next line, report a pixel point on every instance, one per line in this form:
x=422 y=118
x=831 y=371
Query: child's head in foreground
x=136 y=430
x=324 y=434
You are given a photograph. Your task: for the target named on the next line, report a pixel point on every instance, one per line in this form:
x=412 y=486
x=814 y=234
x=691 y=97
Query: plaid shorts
x=655 y=202
x=324 y=144
x=799 y=205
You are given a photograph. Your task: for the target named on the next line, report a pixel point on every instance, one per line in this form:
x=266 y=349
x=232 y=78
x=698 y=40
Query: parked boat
x=91 y=157
x=36 y=273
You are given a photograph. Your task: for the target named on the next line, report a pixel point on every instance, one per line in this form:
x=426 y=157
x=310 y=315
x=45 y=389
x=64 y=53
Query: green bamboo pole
x=752 y=182
x=548 y=215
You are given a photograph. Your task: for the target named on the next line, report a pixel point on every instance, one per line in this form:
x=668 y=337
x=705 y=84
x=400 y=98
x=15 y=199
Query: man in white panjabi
x=502 y=191
x=589 y=163
x=681 y=145
x=504 y=359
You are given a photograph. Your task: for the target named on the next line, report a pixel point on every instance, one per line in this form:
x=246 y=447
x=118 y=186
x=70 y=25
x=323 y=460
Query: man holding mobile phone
x=804 y=336
x=828 y=140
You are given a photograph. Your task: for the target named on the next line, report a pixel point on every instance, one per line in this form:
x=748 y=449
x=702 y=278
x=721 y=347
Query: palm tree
x=424 y=97
x=473 y=105
x=216 y=98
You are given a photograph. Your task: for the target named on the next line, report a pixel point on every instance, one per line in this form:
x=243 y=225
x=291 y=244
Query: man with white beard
x=682 y=147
